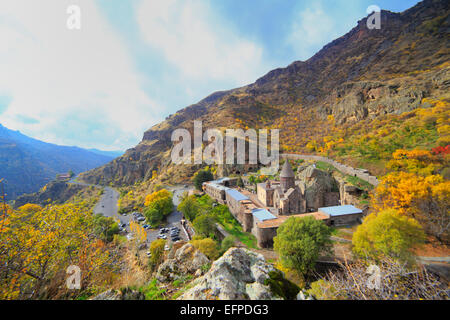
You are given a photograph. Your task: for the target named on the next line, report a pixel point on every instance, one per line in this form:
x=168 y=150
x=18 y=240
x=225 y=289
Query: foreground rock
x=185 y=260
x=125 y=294
x=239 y=274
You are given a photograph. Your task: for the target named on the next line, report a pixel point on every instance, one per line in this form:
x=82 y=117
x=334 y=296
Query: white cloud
x=79 y=85
x=311 y=29
x=198 y=43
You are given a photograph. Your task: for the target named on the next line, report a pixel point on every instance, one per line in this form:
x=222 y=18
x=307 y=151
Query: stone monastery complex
x=275 y=201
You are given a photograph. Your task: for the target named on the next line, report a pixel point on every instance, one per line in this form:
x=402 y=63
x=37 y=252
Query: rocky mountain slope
x=54 y=192
x=28 y=164
x=362 y=75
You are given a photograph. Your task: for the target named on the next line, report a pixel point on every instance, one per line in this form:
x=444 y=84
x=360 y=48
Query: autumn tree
x=387 y=233
x=156 y=253
x=37 y=248
x=139 y=233
x=159 y=204
x=422 y=198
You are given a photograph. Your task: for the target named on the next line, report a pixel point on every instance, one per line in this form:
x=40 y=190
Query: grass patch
x=325 y=166
x=182 y=280
x=224 y=217
x=152 y=291
x=358 y=182
x=232 y=226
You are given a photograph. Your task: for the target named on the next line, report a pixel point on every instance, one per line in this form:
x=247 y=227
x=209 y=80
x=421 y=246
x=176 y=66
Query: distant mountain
x=27 y=164
x=113 y=154
x=361 y=76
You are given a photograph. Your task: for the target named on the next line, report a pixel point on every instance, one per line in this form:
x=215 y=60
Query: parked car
x=177 y=238
x=141 y=219
x=162 y=236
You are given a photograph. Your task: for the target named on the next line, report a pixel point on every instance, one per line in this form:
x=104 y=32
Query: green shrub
x=281 y=286
x=152 y=291
x=227 y=243
x=202 y=176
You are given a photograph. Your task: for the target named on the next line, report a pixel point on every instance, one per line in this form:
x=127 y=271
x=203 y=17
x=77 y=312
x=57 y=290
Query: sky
x=133 y=63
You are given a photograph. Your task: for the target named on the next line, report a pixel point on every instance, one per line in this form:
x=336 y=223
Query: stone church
x=285 y=196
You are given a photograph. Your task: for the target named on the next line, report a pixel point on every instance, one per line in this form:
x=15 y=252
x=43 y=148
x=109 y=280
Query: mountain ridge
x=27 y=164
x=363 y=74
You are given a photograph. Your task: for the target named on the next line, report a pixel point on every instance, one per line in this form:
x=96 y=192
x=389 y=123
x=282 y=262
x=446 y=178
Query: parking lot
x=172 y=221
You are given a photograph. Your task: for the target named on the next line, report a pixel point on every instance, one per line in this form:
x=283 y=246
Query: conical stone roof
x=286 y=171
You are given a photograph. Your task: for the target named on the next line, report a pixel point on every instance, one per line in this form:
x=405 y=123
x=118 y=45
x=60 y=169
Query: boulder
x=186 y=260
x=302 y=296
x=238 y=274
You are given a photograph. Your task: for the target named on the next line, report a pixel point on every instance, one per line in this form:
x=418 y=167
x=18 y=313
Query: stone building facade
x=285 y=196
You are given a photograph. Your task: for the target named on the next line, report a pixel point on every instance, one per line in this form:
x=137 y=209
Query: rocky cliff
x=239 y=274
x=361 y=75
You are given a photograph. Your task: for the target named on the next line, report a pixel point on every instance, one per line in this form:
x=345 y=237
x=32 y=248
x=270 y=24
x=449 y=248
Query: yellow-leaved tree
x=422 y=198
x=38 y=247
x=387 y=234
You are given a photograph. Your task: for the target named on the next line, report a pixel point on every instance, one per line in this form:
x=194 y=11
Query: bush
x=152 y=291
x=323 y=290
x=207 y=246
x=189 y=207
x=227 y=243
x=156 y=253
x=153 y=216
x=281 y=286
x=105 y=227
x=205 y=225
x=202 y=176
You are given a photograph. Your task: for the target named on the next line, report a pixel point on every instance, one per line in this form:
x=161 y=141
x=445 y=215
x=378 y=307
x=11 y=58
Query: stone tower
x=287 y=176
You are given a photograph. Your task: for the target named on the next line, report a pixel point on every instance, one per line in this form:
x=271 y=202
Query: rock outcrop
x=185 y=260
x=238 y=274
x=319 y=187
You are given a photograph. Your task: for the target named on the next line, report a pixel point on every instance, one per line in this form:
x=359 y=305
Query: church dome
x=286 y=171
